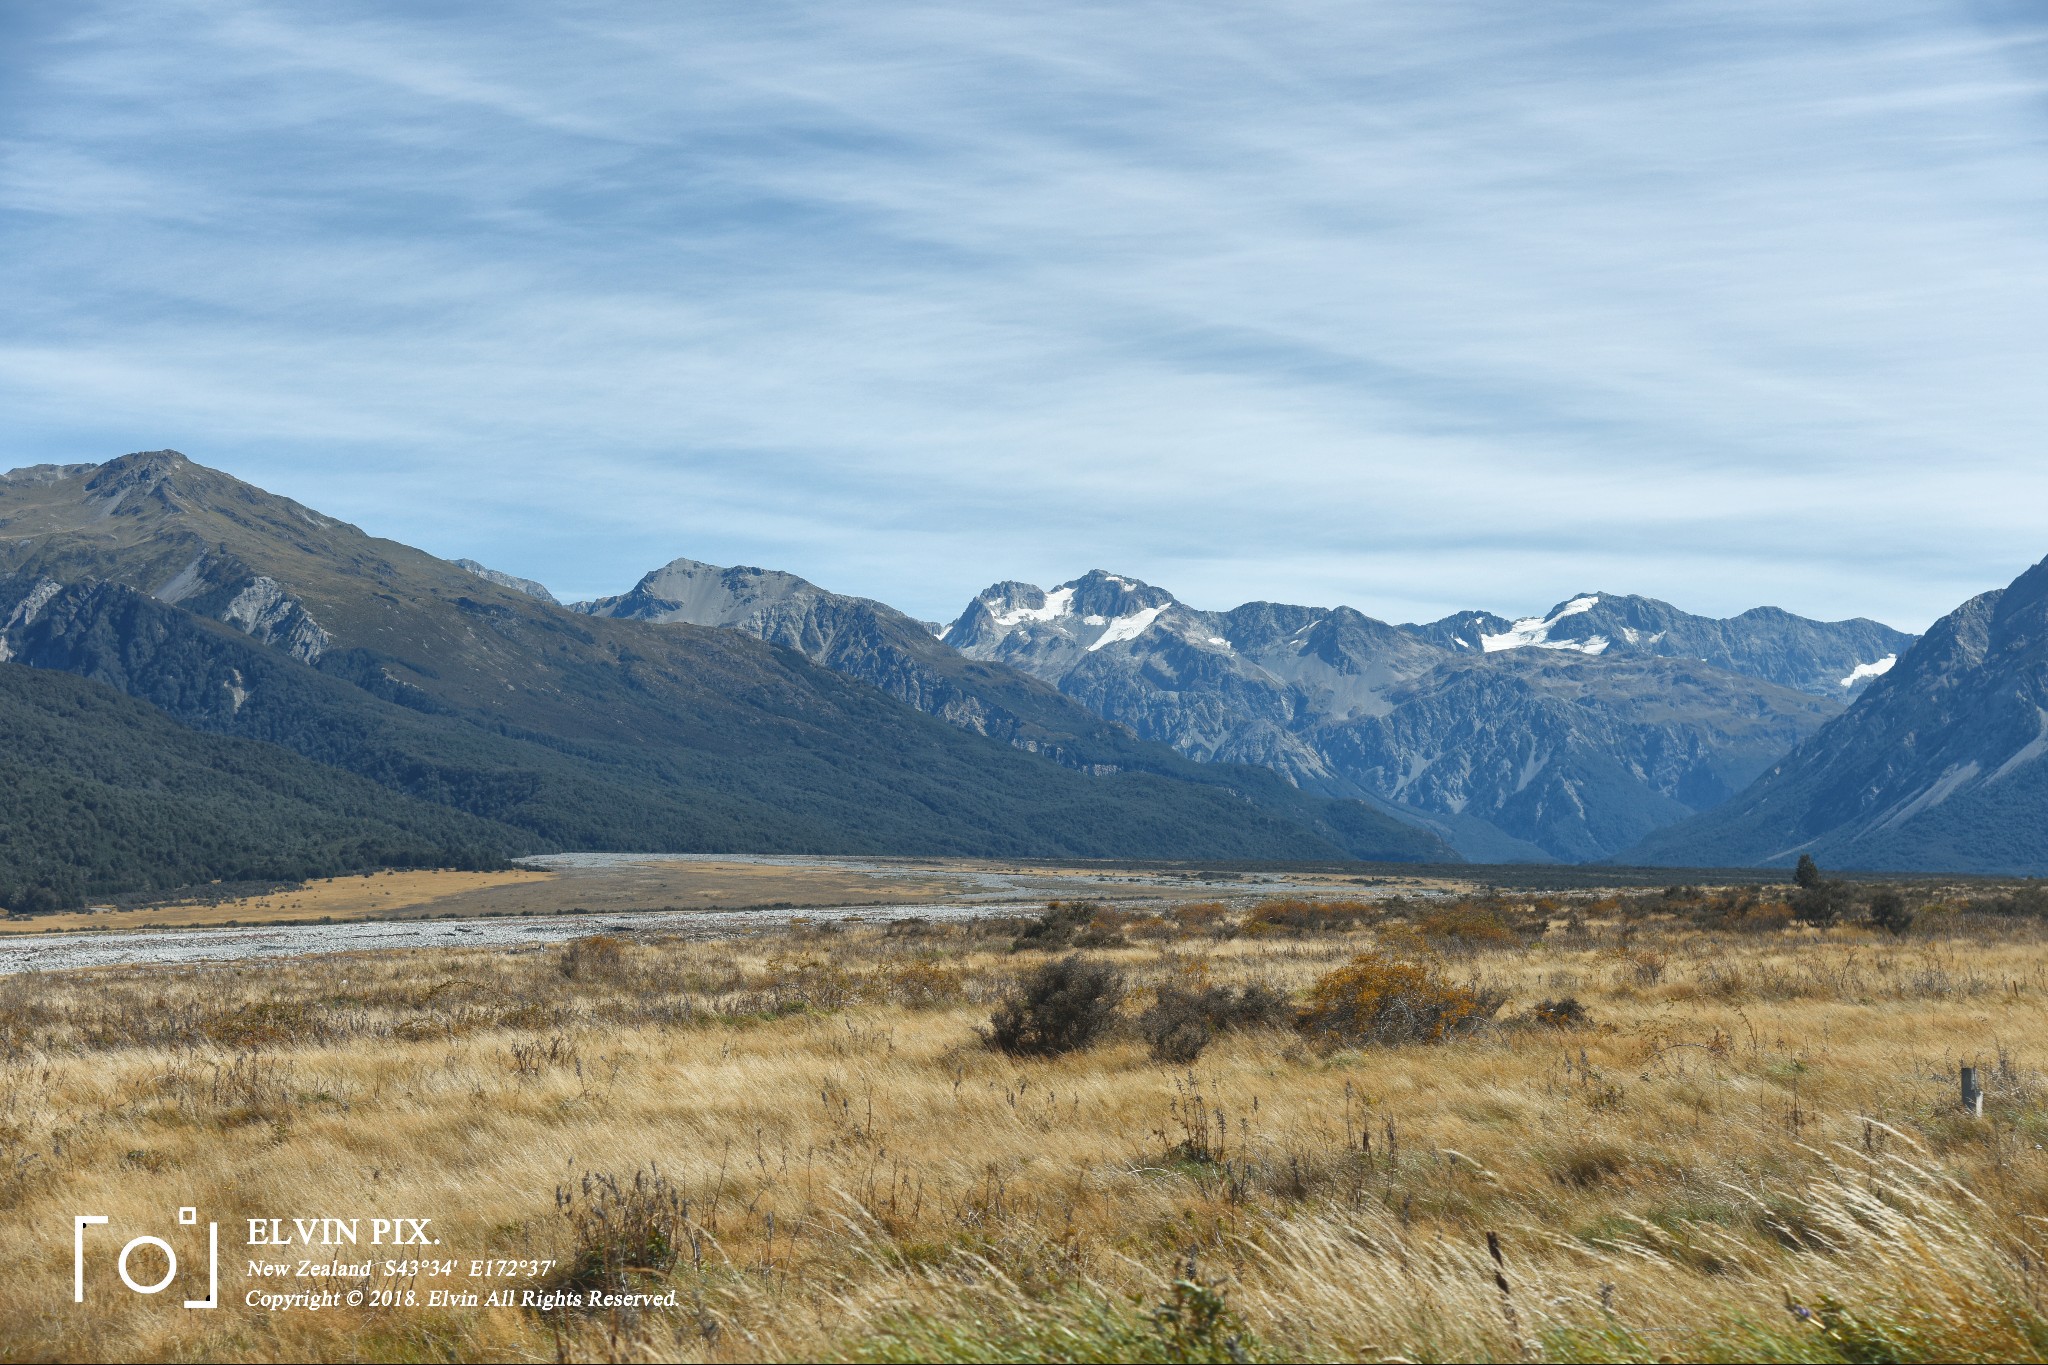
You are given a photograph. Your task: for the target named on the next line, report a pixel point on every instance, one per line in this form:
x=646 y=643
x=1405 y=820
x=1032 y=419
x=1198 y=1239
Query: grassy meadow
x=1669 y=1127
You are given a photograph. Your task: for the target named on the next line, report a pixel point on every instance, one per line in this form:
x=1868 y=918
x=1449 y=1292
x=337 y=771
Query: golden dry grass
x=1752 y=1151
x=360 y=897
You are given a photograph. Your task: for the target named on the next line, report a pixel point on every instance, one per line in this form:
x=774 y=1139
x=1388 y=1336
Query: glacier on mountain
x=1056 y=603
x=1129 y=627
x=1533 y=632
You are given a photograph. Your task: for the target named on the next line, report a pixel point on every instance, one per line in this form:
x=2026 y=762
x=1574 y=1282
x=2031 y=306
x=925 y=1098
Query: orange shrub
x=1378 y=998
x=1292 y=915
x=1213 y=918
x=925 y=983
x=1467 y=925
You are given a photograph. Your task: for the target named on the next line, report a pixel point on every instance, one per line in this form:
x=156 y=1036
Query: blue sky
x=1414 y=305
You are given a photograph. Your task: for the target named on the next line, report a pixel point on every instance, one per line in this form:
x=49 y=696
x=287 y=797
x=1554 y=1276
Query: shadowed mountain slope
x=1937 y=767
x=102 y=793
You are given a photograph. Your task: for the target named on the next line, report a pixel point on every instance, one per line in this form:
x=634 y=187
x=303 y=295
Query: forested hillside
x=100 y=793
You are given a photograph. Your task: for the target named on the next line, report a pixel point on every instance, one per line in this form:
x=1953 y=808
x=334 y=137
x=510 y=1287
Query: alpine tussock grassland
x=1666 y=1127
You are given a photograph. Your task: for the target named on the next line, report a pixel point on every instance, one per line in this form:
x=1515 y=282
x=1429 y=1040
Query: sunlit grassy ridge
x=1751 y=1149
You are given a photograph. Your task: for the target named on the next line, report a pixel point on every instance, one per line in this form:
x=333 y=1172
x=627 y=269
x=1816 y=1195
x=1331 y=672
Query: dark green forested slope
x=100 y=793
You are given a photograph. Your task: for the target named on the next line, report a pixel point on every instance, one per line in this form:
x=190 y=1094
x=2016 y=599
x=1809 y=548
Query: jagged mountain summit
x=1836 y=659
x=239 y=612
x=1938 y=767
x=1516 y=740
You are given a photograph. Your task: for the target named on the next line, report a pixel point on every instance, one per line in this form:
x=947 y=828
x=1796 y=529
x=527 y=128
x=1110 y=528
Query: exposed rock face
x=506 y=580
x=1939 y=766
x=35 y=595
x=1579 y=756
x=1522 y=739
x=262 y=608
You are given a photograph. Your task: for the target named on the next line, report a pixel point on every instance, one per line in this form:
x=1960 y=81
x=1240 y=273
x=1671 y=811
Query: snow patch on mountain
x=1875 y=670
x=1056 y=603
x=1533 y=632
x=1129 y=627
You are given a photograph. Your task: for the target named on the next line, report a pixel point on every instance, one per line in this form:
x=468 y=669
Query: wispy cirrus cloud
x=1415 y=305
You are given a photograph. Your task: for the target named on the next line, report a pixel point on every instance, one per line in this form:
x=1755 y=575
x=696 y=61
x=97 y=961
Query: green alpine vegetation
x=100 y=793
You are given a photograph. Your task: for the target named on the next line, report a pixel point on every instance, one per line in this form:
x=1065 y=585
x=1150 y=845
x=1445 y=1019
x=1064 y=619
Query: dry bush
x=794 y=985
x=924 y=983
x=1180 y=1023
x=1751 y=916
x=598 y=957
x=622 y=1230
x=1641 y=967
x=1562 y=1012
x=1063 y=1006
x=1382 y=999
x=1466 y=924
x=1071 y=924
x=1291 y=915
x=1211 y=918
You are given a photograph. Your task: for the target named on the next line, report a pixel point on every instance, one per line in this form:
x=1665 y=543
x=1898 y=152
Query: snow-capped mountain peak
x=1085 y=614
x=1007 y=611
x=1535 y=632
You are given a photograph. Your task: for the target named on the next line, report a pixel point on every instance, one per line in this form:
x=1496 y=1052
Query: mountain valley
x=735 y=709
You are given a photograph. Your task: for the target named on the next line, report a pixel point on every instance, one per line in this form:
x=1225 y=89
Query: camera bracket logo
x=187 y=1217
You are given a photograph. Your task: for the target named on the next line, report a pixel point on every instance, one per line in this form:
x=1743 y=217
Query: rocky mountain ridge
x=1938 y=767
x=1497 y=730
x=1834 y=659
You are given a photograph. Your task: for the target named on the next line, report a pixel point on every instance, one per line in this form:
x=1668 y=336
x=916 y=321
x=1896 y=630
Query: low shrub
x=1748 y=915
x=1063 y=1006
x=622 y=1229
x=1563 y=1012
x=1382 y=999
x=1070 y=924
x=598 y=957
x=1180 y=1023
x=2030 y=900
x=1888 y=912
x=925 y=983
x=1466 y=925
x=1213 y=918
x=1292 y=915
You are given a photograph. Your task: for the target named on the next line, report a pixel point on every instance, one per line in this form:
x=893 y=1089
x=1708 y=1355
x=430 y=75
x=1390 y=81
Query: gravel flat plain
x=638 y=894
